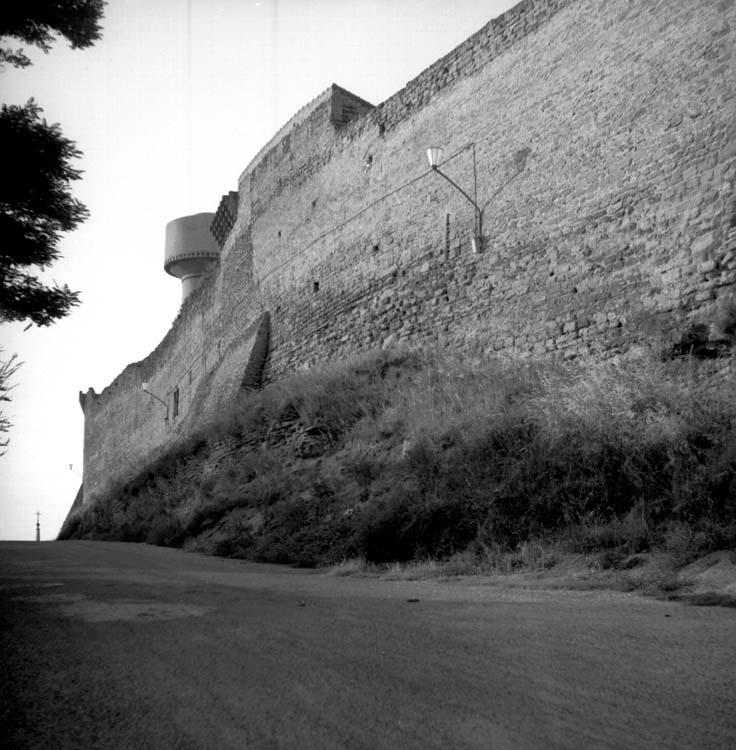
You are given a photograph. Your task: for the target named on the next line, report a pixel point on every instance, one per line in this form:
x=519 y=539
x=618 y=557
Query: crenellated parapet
x=224 y=218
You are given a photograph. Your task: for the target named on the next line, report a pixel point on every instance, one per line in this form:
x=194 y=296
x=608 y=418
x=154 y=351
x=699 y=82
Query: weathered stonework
x=602 y=137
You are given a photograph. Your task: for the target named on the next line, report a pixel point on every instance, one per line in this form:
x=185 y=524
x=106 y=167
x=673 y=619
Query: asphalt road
x=127 y=646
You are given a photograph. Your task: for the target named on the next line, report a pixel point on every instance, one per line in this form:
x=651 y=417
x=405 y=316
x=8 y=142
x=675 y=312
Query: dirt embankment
x=626 y=468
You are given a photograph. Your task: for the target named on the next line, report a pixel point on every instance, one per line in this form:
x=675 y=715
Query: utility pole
x=38 y=526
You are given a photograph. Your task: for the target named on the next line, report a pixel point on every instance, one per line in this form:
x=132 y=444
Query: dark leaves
x=36 y=207
x=35 y=21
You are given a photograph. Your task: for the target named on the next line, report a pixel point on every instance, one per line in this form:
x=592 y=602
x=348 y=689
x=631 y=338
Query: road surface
x=109 y=645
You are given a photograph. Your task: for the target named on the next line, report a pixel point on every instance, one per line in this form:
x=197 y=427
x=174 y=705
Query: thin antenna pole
x=189 y=114
x=475 y=188
x=274 y=92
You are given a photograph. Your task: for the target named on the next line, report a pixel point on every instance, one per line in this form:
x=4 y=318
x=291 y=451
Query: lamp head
x=434 y=154
x=144 y=387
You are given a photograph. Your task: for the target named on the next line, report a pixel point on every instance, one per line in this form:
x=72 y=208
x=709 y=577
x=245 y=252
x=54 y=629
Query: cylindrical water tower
x=190 y=249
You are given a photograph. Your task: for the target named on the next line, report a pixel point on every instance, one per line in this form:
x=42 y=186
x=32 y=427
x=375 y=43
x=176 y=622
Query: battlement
x=339 y=105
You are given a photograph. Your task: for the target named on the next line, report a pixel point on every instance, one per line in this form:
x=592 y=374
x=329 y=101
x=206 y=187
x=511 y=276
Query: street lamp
x=434 y=155
x=144 y=387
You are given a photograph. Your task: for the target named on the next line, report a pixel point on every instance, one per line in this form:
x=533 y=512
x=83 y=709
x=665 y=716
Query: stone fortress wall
x=600 y=139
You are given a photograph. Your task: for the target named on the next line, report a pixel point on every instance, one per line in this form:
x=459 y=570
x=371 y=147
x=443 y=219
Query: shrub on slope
x=404 y=456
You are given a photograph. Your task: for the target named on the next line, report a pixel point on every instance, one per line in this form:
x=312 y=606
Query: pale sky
x=169 y=107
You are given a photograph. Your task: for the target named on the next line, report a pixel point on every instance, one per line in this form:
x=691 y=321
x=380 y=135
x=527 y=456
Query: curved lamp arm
x=434 y=154
x=478 y=209
x=144 y=388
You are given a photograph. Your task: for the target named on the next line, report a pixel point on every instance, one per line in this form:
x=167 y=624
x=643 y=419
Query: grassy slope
x=404 y=457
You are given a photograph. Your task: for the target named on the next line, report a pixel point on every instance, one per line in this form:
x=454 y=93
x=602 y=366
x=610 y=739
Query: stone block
x=703 y=245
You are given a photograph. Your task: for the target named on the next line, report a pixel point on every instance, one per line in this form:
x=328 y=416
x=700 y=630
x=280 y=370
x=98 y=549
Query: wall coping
x=296 y=120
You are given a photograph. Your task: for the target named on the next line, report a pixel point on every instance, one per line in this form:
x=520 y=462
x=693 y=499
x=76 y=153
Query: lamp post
x=144 y=388
x=434 y=155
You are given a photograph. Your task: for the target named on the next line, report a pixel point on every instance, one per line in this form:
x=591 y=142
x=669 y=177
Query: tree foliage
x=7 y=370
x=35 y=208
x=35 y=21
x=36 y=204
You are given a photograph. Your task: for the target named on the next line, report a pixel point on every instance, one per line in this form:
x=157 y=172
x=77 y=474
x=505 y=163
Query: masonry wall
x=600 y=137
x=605 y=157
x=123 y=426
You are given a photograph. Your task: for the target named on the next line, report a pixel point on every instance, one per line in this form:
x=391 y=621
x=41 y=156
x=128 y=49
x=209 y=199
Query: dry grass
x=474 y=466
